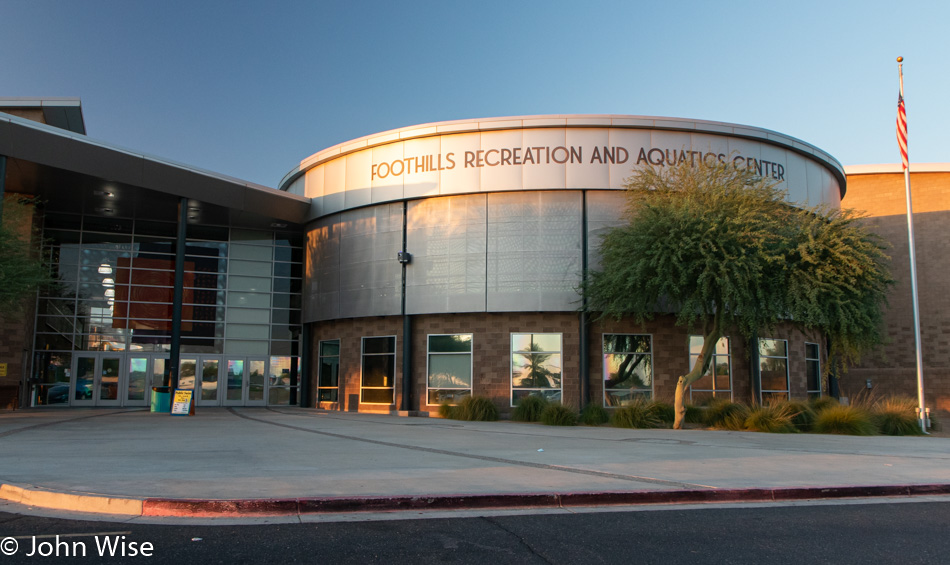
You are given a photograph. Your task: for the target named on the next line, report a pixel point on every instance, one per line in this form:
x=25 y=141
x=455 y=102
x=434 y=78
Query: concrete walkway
x=289 y=460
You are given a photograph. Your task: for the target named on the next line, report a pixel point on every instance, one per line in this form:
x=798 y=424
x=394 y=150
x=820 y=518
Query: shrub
x=476 y=409
x=803 y=415
x=529 y=408
x=558 y=415
x=848 y=420
x=719 y=411
x=594 y=415
x=896 y=416
x=446 y=410
x=637 y=414
x=822 y=402
x=664 y=411
x=694 y=414
x=771 y=418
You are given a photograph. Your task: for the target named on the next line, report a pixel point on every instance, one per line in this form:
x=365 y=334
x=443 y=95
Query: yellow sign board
x=181 y=403
x=3 y=369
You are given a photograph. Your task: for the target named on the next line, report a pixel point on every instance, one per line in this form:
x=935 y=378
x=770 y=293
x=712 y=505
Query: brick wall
x=492 y=357
x=16 y=342
x=892 y=368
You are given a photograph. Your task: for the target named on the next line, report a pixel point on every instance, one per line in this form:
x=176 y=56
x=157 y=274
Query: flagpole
x=913 y=262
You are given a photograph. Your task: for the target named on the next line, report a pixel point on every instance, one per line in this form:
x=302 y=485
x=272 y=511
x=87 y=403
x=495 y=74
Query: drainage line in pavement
x=601 y=474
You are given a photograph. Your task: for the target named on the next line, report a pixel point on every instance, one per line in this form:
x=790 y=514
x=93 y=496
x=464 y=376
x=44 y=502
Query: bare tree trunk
x=679 y=407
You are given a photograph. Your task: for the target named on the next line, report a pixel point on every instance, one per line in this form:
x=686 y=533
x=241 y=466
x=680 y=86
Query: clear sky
x=249 y=88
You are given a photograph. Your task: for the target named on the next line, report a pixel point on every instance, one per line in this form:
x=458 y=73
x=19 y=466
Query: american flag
x=902 y=129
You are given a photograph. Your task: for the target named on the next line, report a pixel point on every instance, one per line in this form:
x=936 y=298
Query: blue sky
x=249 y=88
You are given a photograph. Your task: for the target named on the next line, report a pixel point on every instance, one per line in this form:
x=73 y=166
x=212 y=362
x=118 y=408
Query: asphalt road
x=906 y=533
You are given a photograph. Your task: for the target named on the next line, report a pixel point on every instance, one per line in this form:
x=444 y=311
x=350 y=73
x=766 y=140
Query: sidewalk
x=240 y=461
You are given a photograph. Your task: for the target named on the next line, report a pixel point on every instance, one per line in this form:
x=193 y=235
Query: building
x=879 y=190
x=449 y=252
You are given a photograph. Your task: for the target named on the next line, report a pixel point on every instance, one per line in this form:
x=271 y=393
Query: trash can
x=161 y=399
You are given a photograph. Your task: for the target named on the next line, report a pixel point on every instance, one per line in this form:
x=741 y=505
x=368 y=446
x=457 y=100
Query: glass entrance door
x=98 y=379
x=245 y=382
x=201 y=374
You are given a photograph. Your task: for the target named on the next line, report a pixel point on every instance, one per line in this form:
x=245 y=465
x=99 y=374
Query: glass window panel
x=62 y=221
x=536 y=370
x=628 y=371
x=247 y=316
x=450 y=343
x=536 y=342
x=192 y=345
x=247 y=331
x=138 y=378
x=235 y=379
x=705 y=382
x=279 y=347
x=93 y=238
x=450 y=371
x=437 y=396
x=290 y=317
x=54 y=342
x=85 y=377
x=811 y=350
x=158 y=372
x=164 y=229
x=695 y=345
x=249 y=284
x=251 y=268
x=379 y=370
x=550 y=394
x=286 y=269
x=329 y=348
x=202 y=231
x=623 y=397
x=250 y=252
x=280 y=370
x=235 y=347
x=253 y=237
x=329 y=372
x=249 y=300
x=107 y=224
x=53 y=367
x=286 y=301
x=772 y=348
x=626 y=343
x=62 y=236
x=379 y=344
x=288 y=254
x=287 y=285
x=289 y=240
x=774 y=374
x=209 y=379
x=377 y=396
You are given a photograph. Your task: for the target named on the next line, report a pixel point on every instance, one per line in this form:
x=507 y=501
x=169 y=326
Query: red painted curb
x=325 y=505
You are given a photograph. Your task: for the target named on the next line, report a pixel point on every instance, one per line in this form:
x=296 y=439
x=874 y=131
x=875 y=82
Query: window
x=328 y=371
x=282 y=385
x=449 y=368
x=813 y=370
x=628 y=368
x=378 y=370
x=773 y=369
x=535 y=366
x=717 y=381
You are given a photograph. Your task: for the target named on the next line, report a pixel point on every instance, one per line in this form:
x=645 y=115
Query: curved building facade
x=443 y=260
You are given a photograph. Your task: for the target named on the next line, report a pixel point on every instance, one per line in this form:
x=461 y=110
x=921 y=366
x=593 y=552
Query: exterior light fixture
x=105 y=269
x=109 y=293
x=404 y=257
x=108 y=283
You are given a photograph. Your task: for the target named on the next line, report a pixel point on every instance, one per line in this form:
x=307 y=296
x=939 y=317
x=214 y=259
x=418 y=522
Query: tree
x=722 y=249
x=21 y=271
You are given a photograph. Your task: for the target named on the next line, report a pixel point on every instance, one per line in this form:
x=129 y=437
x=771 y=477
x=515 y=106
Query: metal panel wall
x=448 y=240
x=534 y=251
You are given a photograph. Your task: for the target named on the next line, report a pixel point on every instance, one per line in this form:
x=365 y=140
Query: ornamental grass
x=558 y=415
x=845 y=420
x=637 y=414
x=529 y=408
x=896 y=416
x=594 y=415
